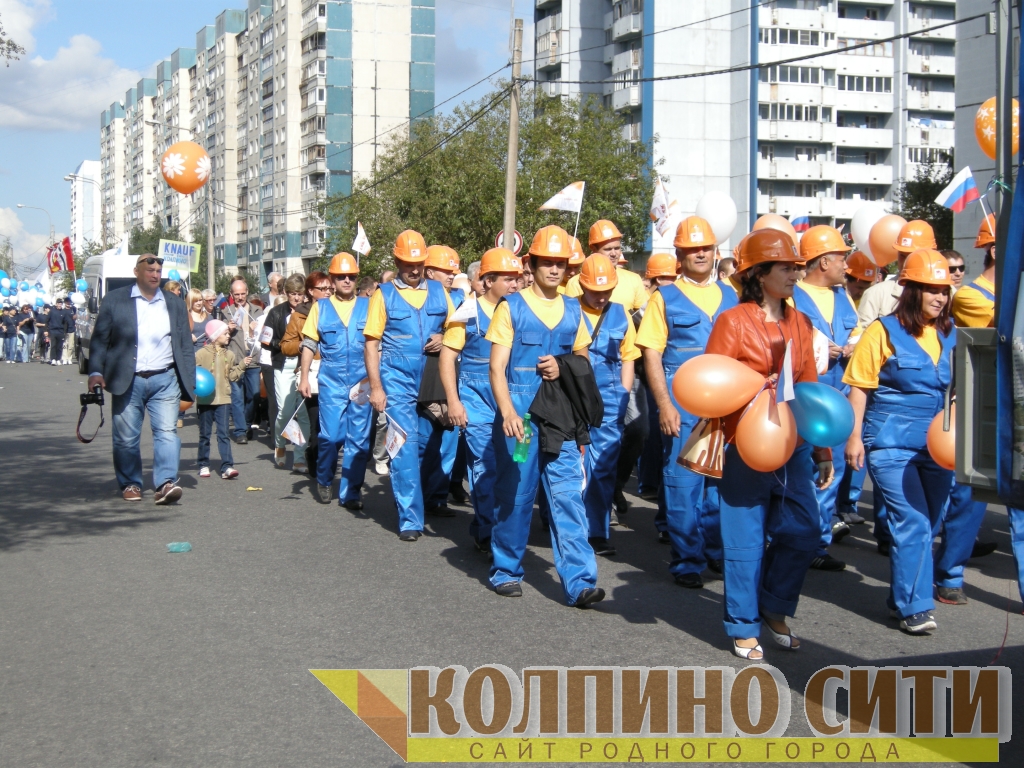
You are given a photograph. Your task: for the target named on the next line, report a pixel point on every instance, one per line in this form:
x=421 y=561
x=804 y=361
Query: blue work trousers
x=159 y=396
x=960 y=527
x=691 y=523
x=601 y=461
x=208 y=416
x=851 y=484
x=1017 y=543
x=344 y=428
x=243 y=398
x=480 y=437
x=648 y=473
x=827 y=497
x=438 y=461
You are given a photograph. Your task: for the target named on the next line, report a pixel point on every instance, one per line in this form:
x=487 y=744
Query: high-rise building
x=112 y=175
x=86 y=214
x=292 y=99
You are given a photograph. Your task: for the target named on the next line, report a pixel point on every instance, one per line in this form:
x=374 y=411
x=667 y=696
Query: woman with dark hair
x=762 y=585
x=284 y=368
x=899 y=374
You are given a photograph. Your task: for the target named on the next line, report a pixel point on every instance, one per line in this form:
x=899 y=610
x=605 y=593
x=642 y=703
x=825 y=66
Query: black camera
x=92 y=398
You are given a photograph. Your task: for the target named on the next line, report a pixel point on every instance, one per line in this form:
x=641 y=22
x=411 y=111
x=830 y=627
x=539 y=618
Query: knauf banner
x=183 y=257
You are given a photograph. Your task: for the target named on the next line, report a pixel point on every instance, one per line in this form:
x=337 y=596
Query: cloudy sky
x=81 y=55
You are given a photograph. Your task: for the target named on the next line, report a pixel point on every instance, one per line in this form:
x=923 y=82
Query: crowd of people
x=45 y=333
x=547 y=382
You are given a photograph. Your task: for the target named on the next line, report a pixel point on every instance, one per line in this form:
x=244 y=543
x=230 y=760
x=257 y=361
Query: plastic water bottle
x=179 y=546
x=523 y=446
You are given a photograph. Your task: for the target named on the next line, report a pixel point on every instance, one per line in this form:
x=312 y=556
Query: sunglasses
x=321 y=288
x=150 y=260
x=960 y=268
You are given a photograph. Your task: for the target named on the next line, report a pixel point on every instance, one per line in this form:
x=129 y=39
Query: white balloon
x=5 y=282
x=78 y=299
x=718 y=210
x=860 y=226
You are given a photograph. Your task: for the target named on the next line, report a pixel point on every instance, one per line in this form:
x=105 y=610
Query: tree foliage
x=9 y=50
x=456 y=195
x=915 y=199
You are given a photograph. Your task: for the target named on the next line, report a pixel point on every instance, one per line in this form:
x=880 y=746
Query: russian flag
x=801 y=223
x=961 y=191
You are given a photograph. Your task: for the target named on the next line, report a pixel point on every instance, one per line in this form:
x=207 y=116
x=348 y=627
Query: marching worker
x=730 y=281
x=861 y=274
x=762 y=585
x=573 y=266
x=899 y=375
x=821 y=297
x=470 y=399
x=662 y=269
x=442 y=265
x=974 y=305
x=606 y=239
x=612 y=352
x=675 y=328
x=528 y=332
x=334 y=328
x=404 y=320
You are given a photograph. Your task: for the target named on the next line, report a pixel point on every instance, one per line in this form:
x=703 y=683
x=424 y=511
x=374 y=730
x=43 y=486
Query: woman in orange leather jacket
x=763 y=585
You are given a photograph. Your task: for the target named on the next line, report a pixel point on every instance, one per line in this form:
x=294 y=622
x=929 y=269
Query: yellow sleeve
x=500 y=330
x=653 y=333
x=868 y=357
x=312 y=320
x=972 y=310
x=572 y=288
x=451 y=307
x=583 y=337
x=455 y=336
x=627 y=349
x=376 y=316
x=639 y=294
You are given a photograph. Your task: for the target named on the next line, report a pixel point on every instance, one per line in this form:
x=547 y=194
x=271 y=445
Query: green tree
x=915 y=199
x=8 y=48
x=455 y=194
x=7 y=256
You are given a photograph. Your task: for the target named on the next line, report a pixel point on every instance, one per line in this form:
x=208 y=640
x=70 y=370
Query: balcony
x=626 y=98
x=864 y=29
x=919 y=28
x=546 y=3
x=793 y=93
x=787 y=130
x=861 y=101
x=796 y=170
x=798 y=206
x=314 y=137
x=548 y=24
x=861 y=173
x=939 y=101
x=313 y=55
x=931 y=65
x=316 y=24
x=627 y=60
x=797 y=19
x=316 y=165
x=312 y=111
x=627 y=27
x=553 y=88
x=548 y=50
x=609 y=54
x=870 y=138
x=311 y=195
x=928 y=136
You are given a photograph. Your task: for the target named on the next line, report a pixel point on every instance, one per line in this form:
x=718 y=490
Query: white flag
x=466 y=312
x=292 y=431
x=664 y=209
x=569 y=199
x=361 y=244
x=784 y=390
x=395 y=437
x=360 y=392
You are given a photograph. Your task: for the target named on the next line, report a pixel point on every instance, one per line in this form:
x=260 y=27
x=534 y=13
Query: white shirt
x=155 y=351
x=878 y=301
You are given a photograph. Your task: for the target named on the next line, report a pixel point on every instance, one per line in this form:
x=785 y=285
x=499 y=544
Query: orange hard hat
x=343 y=264
x=551 y=242
x=915 y=235
x=598 y=273
x=925 y=266
x=601 y=232
x=986 y=232
x=861 y=267
x=661 y=265
x=767 y=246
x=577 y=253
x=500 y=260
x=694 y=232
x=410 y=247
x=442 y=257
x=822 y=239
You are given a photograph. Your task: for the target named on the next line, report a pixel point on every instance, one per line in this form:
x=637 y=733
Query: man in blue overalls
x=470 y=400
x=821 y=296
x=528 y=331
x=675 y=328
x=406 y=318
x=335 y=327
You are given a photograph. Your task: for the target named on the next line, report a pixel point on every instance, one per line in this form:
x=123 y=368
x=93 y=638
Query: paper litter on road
x=252 y=488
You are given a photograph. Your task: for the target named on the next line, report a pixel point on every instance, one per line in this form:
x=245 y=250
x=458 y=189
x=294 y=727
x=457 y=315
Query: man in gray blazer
x=141 y=352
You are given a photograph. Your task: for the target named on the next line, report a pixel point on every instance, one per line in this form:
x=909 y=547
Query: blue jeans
x=243 y=398
x=159 y=396
x=208 y=415
x=26 y=345
x=11 y=348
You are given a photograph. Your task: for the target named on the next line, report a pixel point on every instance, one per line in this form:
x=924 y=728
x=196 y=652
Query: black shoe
x=602 y=547
x=690 y=580
x=850 y=517
x=649 y=495
x=621 y=505
x=509 y=589
x=664 y=538
x=981 y=549
x=483 y=546
x=242 y=440
x=839 y=531
x=715 y=566
x=589 y=596
x=827 y=563
x=458 y=493
x=248 y=434
x=410 y=535
x=323 y=493
x=952 y=596
x=883 y=548
x=355 y=505
x=441 y=510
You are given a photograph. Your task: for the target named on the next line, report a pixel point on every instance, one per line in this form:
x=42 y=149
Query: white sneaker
x=229 y=474
x=204 y=472
x=53 y=362
x=381 y=469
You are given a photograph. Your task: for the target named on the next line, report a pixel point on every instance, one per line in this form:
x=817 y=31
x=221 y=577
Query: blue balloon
x=174 y=275
x=80 y=285
x=39 y=302
x=2 y=274
x=824 y=417
x=24 y=285
x=4 y=292
x=204 y=382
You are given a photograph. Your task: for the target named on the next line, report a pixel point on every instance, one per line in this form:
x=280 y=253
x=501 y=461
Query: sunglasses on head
x=957 y=268
x=150 y=260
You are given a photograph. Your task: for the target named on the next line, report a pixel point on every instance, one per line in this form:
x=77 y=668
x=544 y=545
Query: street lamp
x=48 y=217
x=103 y=213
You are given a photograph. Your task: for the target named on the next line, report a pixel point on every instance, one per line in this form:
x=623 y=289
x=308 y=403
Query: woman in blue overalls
x=899 y=375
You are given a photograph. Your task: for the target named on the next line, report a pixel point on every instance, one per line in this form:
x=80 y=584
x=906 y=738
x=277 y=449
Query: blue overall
x=406 y=332
x=914 y=488
x=601 y=457
x=478 y=399
x=693 y=524
x=844 y=320
x=561 y=475
x=343 y=424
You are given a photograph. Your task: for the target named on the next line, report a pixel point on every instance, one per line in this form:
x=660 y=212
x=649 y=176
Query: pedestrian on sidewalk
x=225 y=367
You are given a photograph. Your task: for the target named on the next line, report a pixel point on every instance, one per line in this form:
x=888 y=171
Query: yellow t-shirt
x=824 y=299
x=627 y=347
x=971 y=309
x=455 y=333
x=343 y=308
x=874 y=348
x=377 y=313
x=629 y=291
x=653 y=333
x=548 y=311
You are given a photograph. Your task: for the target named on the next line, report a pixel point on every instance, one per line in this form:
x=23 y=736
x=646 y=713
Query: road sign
x=517 y=241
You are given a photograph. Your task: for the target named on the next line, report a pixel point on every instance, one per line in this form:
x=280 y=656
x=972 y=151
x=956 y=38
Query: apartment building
x=292 y=99
x=139 y=138
x=823 y=135
x=86 y=213
x=112 y=174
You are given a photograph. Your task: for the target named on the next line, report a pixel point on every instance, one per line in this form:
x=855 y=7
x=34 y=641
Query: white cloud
x=64 y=93
x=29 y=249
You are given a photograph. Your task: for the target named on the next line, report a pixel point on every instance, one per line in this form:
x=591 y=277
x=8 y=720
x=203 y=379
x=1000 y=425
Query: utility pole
x=511 y=166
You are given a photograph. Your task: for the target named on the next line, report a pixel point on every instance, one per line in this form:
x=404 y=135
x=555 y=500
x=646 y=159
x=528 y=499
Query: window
x=862 y=83
x=805 y=153
x=788 y=74
x=805 y=189
x=767 y=151
x=868 y=48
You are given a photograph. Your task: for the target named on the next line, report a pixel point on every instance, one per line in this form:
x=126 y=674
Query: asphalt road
x=116 y=653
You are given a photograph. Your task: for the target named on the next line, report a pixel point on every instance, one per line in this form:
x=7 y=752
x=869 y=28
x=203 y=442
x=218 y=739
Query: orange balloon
x=774 y=221
x=986 y=125
x=942 y=445
x=883 y=238
x=184 y=405
x=711 y=386
x=763 y=445
x=185 y=167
